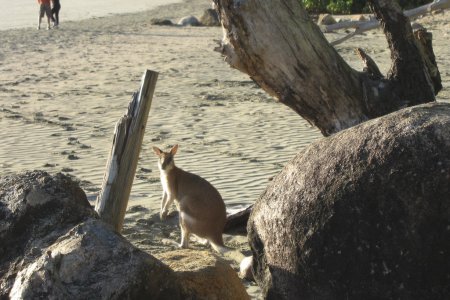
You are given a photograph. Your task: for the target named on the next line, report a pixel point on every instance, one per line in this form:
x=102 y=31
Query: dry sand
x=24 y=13
x=62 y=91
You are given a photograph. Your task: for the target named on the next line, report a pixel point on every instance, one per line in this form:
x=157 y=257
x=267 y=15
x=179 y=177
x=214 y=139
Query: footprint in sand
x=278 y=147
x=144 y=170
x=72 y=141
x=84 y=146
x=49 y=165
x=68 y=127
x=72 y=157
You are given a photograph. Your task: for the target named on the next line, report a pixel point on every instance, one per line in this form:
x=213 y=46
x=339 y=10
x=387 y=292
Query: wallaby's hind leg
x=184 y=236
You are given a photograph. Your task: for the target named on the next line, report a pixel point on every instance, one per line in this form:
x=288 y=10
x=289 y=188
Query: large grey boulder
x=35 y=209
x=92 y=262
x=363 y=214
x=52 y=246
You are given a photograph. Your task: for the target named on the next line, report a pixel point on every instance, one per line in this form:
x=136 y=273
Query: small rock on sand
x=210 y=18
x=161 y=22
x=326 y=19
x=188 y=21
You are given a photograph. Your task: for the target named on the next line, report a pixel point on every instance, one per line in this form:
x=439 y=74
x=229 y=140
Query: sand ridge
x=62 y=92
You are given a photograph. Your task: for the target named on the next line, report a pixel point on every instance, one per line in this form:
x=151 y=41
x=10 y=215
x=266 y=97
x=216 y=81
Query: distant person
x=44 y=8
x=56 y=6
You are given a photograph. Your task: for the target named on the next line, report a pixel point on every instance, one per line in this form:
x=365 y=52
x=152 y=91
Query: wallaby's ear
x=157 y=150
x=174 y=149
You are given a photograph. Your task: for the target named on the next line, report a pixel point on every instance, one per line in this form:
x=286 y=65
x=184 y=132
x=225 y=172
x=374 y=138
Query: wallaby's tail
x=245 y=263
x=217 y=244
x=221 y=249
x=228 y=252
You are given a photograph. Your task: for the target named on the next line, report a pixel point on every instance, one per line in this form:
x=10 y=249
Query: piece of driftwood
x=121 y=166
x=362 y=26
x=238 y=220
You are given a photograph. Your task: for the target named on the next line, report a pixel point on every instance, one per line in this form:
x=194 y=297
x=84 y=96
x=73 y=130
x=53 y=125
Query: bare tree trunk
x=285 y=53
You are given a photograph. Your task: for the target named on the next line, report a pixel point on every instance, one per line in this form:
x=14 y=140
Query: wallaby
x=201 y=208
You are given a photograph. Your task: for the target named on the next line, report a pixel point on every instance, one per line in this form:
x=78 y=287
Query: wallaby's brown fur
x=202 y=210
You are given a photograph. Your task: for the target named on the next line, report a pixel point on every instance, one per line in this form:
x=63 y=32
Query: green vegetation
x=351 y=6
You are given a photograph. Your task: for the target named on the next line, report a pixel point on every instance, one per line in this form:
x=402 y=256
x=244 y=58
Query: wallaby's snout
x=166 y=161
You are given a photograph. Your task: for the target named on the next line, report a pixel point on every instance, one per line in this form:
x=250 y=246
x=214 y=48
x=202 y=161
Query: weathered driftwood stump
x=122 y=161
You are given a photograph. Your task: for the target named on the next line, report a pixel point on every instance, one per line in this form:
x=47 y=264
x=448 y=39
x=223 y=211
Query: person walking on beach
x=44 y=8
x=56 y=6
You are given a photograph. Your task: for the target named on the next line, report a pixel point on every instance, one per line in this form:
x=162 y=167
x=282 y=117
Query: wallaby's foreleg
x=165 y=207
x=163 y=214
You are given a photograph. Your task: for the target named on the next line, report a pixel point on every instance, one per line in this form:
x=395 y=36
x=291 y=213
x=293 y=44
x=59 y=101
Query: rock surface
x=363 y=214
x=35 y=209
x=52 y=246
x=326 y=19
x=210 y=18
x=91 y=262
x=203 y=275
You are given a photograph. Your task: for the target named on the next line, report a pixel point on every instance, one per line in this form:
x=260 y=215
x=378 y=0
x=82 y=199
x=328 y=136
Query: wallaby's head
x=166 y=161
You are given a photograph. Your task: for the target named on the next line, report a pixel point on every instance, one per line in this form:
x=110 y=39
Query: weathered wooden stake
x=122 y=162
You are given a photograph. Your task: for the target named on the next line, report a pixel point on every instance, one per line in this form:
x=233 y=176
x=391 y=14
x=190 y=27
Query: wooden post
x=121 y=166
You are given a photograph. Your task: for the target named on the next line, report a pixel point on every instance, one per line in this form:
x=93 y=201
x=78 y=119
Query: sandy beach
x=63 y=90
x=24 y=13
